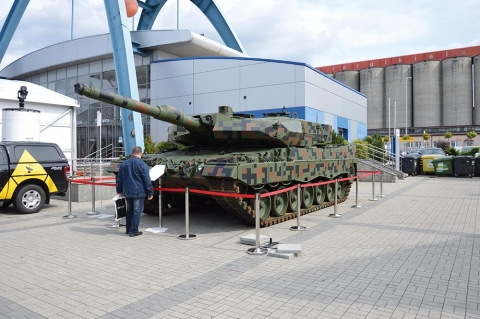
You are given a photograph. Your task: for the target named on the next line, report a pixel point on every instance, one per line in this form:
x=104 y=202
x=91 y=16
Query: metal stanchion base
x=117 y=225
x=69 y=217
x=157 y=230
x=257 y=251
x=93 y=213
x=335 y=215
x=381 y=196
x=356 y=206
x=298 y=228
x=103 y=216
x=373 y=199
x=187 y=237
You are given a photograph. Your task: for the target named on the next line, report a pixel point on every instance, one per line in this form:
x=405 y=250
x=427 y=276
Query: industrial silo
x=373 y=86
x=457 y=91
x=398 y=88
x=427 y=94
x=350 y=78
x=476 y=68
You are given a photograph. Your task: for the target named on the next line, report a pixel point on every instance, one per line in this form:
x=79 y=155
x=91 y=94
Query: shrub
x=444 y=145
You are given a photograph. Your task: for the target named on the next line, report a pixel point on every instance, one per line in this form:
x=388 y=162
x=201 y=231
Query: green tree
x=377 y=152
x=448 y=135
x=361 y=148
x=386 y=139
x=150 y=147
x=472 y=134
x=368 y=139
x=338 y=139
x=426 y=137
x=406 y=137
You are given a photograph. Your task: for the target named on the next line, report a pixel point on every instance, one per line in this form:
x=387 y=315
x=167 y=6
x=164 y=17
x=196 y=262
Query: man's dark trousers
x=134 y=212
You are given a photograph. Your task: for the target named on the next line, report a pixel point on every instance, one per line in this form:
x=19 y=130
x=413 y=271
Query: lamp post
x=406 y=104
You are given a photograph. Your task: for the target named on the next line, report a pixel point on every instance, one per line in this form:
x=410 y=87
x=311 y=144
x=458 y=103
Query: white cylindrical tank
x=457 y=91
x=350 y=78
x=20 y=125
x=427 y=94
x=398 y=89
x=476 y=69
x=372 y=84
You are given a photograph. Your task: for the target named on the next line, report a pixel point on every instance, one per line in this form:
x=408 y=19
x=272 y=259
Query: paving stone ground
x=413 y=254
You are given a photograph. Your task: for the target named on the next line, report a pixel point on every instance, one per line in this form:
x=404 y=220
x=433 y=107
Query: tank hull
x=255 y=169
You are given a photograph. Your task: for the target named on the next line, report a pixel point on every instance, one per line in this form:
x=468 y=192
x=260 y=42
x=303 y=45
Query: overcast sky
x=317 y=32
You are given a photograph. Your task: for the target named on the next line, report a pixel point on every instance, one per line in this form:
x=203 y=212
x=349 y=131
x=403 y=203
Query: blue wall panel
x=361 y=130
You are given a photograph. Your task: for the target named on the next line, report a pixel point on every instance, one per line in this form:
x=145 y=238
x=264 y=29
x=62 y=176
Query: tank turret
x=237 y=153
x=276 y=129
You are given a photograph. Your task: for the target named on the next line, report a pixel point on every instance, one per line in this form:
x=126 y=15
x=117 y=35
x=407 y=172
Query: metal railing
x=108 y=151
x=91 y=166
x=379 y=157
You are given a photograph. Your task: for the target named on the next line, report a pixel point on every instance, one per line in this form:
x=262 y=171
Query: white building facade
x=192 y=73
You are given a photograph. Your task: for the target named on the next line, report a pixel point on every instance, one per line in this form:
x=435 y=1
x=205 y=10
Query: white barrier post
x=373 y=188
x=69 y=216
x=93 y=211
x=381 y=186
x=187 y=235
x=160 y=228
x=257 y=250
x=356 y=194
x=335 y=215
x=298 y=227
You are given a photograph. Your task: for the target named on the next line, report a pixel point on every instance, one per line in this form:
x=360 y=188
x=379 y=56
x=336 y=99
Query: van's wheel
x=29 y=199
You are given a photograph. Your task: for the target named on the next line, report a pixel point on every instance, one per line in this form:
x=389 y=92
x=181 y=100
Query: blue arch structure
x=122 y=49
x=151 y=8
x=11 y=24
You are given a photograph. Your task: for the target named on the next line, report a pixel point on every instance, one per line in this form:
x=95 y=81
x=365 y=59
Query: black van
x=31 y=172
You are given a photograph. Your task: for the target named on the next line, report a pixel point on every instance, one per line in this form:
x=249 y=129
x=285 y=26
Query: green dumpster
x=443 y=166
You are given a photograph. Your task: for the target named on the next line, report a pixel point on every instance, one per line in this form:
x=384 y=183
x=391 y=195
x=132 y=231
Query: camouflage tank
x=238 y=153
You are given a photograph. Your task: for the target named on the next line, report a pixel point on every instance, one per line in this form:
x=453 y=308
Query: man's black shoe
x=138 y=233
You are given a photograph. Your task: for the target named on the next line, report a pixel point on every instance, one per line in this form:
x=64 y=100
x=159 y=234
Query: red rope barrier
x=87 y=181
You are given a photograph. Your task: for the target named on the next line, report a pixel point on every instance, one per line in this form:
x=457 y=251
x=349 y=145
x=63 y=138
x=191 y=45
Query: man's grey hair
x=136 y=150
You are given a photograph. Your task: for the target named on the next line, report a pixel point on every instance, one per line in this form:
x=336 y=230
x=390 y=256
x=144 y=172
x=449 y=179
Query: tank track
x=238 y=207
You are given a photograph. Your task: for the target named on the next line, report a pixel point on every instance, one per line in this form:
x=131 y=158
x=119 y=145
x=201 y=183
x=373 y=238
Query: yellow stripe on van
x=27 y=168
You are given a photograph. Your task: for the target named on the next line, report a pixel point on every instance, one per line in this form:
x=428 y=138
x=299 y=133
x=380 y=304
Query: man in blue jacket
x=133 y=182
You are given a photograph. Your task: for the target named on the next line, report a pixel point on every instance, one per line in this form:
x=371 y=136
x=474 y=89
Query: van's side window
x=40 y=153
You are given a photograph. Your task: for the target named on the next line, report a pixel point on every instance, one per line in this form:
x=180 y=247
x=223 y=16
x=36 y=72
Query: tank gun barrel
x=164 y=113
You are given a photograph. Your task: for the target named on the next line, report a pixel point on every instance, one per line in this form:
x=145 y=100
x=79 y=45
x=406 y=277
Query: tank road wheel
x=319 y=194
x=352 y=171
x=342 y=186
x=292 y=201
x=265 y=205
x=330 y=192
x=307 y=197
x=279 y=203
